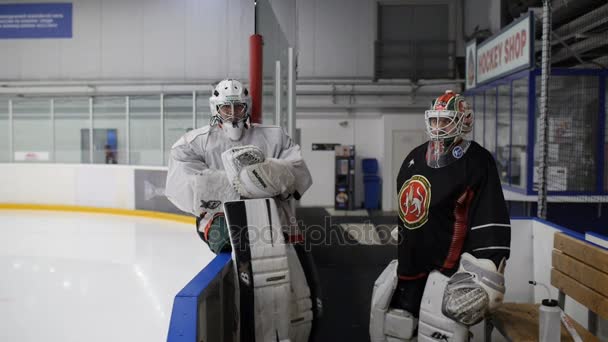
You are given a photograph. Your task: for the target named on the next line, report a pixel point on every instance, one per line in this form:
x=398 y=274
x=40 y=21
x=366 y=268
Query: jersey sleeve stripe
x=491 y=225
x=492 y=247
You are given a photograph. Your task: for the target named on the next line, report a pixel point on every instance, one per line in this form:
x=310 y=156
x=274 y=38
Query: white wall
x=138 y=39
x=363 y=130
x=335 y=38
x=520 y=266
x=193 y=39
x=321 y=163
x=394 y=122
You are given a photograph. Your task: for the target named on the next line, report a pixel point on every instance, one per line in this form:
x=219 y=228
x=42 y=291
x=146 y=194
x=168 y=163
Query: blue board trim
x=184 y=316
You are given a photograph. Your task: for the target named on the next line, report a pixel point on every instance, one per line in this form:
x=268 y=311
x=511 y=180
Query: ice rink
x=92 y=277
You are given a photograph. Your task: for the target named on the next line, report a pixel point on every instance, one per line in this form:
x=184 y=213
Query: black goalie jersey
x=447 y=211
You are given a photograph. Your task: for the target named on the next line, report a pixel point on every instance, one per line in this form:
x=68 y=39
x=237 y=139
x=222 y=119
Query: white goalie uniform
x=207 y=169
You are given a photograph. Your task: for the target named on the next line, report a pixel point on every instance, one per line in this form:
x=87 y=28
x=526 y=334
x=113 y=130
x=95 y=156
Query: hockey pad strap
x=267 y=179
x=237 y=158
x=476 y=289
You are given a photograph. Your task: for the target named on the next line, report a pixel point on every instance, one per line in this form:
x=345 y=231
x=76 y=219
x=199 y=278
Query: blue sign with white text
x=47 y=20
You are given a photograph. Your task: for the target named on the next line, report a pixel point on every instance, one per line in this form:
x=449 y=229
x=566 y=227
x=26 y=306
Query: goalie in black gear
x=453 y=235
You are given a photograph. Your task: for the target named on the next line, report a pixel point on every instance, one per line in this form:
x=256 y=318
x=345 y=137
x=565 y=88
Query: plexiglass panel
x=503 y=132
x=203 y=111
x=478 y=123
x=32 y=130
x=519 y=139
x=490 y=121
x=71 y=119
x=178 y=120
x=144 y=130
x=109 y=130
x=5 y=154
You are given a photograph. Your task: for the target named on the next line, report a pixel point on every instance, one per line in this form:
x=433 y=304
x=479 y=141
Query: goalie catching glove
x=474 y=290
x=254 y=176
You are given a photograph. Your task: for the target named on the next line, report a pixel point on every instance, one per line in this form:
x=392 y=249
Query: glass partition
x=5 y=153
x=503 y=132
x=519 y=131
x=489 y=134
x=178 y=119
x=203 y=111
x=144 y=130
x=109 y=130
x=71 y=119
x=32 y=137
x=478 y=123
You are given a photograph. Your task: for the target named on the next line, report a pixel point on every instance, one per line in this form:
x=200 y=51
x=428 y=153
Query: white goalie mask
x=230 y=105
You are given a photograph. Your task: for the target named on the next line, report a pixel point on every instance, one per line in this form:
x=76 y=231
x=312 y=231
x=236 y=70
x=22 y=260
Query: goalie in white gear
x=231 y=159
x=453 y=235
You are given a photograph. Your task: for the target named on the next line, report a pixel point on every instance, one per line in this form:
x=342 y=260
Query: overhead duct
x=585 y=23
x=566 y=10
x=597 y=41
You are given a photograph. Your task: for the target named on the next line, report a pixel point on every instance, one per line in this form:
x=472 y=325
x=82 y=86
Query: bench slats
x=583 y=251
x=580 y=270
x=581 y=293
x=519 y=322
x=587 y=275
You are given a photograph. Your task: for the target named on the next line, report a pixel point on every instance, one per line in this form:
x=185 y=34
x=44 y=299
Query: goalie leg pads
x=301 y=315
x=433 y=325
x=260 y=261
x=474 y=290
x=387 y=324
x=312 y=279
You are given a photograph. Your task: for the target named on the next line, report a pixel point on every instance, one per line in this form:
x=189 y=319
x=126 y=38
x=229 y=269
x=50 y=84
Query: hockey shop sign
x=509 y=51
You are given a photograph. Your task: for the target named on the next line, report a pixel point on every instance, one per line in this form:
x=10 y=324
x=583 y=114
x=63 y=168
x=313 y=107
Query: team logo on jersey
x=457 y=152
x=414 y=201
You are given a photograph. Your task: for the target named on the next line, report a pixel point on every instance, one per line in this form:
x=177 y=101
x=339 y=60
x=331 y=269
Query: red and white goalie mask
x=447 y=121
x=449 y=117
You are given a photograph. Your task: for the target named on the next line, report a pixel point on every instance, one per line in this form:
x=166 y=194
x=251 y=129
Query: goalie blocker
x=274 y=277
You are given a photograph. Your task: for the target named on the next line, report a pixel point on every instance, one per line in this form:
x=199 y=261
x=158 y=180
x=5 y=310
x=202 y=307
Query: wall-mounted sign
x=509 y=51
x=471 y=67
x=324 y=146
x=29 y=20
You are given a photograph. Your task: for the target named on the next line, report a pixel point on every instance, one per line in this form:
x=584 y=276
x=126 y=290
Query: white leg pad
x=433 y=325
x=388 y=324
x=263 y=271
x=301 y=305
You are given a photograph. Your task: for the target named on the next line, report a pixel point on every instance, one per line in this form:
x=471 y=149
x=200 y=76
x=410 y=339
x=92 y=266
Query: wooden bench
x=580 y=270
